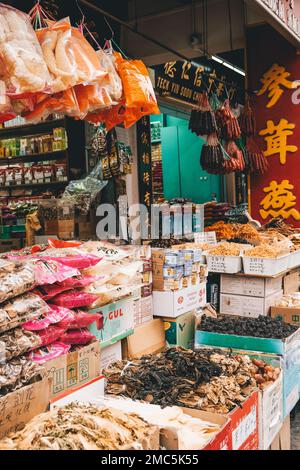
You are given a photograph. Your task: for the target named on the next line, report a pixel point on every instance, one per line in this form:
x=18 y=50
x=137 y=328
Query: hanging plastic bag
x=22 y=64
x=137 y=86
x=6 y=110
x=57 y=47
x=114 y=82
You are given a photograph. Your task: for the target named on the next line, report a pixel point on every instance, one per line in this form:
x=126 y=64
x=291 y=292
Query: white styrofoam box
x=110 y=354
x=243 y=306
x=252 y=286
x=173 y=304
x=294 y=260
x=270 y=402
x=88 y=393
x=224 y=264
x=266 y=266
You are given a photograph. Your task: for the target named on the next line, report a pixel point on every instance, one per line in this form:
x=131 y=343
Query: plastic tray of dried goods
x=268 y=267
x=294 y=260
x=224 y=264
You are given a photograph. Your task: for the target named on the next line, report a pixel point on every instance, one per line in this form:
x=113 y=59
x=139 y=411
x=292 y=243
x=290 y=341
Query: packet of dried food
x=71 y=257
x=15 y=279
x=47 y=353
x=18 y=342
x=17 y=373
x=108 y=293
x=53 y=317
x=81 y=337
x=50 y=272
x=78 y=319
x=21 y=309
x=74 y=299
x=23 y=67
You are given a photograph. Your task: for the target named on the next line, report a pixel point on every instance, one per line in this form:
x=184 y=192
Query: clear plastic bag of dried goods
x=6 y=110
x=21 y=59
x=15 y=279
x=18 y=342
x=57 y=48
x=17 y=373
x=20 y=310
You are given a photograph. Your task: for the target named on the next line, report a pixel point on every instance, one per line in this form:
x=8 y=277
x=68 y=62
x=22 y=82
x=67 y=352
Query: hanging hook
x=81 y=11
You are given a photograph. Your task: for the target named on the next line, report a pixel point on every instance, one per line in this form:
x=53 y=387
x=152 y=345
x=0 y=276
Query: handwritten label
x=244 y=430
x=206 y=237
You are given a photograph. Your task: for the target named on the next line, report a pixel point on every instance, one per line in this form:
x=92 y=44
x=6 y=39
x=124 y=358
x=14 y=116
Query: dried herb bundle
x=81 y=427
x=203 y=120
x=227 y=122
x=261 y=327
x=206 y=379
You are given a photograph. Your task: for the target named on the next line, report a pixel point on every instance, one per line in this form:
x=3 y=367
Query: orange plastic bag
x=110 y=117
x=61 y=103
x=92 y=98
x=137 y=86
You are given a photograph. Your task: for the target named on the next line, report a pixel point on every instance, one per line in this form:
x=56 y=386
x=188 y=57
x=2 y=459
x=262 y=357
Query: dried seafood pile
x=226 y=249
x=261 y=327
x=207 y=379
x=81 y=427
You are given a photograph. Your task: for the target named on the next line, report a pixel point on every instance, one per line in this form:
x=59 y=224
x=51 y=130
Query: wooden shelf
x=31 y=129
x=34 y=158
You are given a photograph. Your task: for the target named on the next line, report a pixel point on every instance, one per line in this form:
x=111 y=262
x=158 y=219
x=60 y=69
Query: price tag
x=206 y=237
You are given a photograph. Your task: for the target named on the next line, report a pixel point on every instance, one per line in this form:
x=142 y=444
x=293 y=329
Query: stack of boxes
x=179 y=290
x=249 y=296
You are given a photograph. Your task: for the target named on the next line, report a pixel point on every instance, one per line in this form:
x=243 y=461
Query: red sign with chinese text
x=273 y=69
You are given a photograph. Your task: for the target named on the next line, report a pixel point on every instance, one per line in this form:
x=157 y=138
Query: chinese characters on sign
x=276 y=139
x=279 y=201
x=145 y=161
x=185 y=81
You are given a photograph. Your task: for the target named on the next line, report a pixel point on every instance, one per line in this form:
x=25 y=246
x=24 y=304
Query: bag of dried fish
x=15 y=279
x=17 y=373
x=84 y=427
x=22 y=309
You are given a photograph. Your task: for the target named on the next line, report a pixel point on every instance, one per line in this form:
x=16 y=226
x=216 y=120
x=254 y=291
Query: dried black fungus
x=261 y=327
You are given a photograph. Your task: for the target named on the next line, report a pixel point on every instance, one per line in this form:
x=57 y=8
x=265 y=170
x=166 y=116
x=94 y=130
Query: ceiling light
x=228 y=65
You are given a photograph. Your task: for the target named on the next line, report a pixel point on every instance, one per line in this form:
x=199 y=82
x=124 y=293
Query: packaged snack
x=21 y=309
x=21 y=60
x=74 y=299
x=81 y=337
x=47 y=353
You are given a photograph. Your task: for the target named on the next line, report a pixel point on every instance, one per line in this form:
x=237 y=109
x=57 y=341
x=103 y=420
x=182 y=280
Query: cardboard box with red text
x=174 y=304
